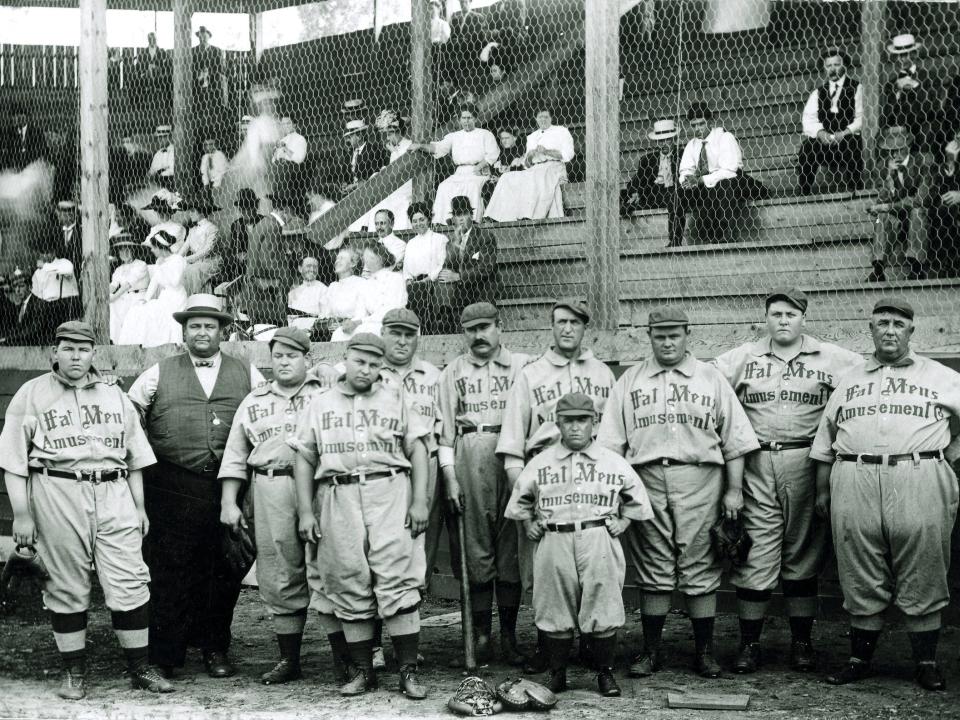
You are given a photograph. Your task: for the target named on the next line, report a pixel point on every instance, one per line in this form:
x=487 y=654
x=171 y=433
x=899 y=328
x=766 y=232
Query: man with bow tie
x=912 y=98
x=832 y=119
x=902 y=205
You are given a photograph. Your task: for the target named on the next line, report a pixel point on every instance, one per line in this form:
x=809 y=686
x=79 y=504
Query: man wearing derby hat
x=366 y=159
x=889 y=492
x=161 y=167
x=187 y=402
x=902 y=206
x=912 y=98
x=207 y=63
x=656 y=182
x=783 y=381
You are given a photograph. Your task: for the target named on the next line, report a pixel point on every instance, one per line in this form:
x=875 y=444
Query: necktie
x=703 y=166
x=203 y=363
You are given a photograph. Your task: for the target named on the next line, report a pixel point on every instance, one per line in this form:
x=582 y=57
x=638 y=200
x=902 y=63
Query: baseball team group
x=556 y=473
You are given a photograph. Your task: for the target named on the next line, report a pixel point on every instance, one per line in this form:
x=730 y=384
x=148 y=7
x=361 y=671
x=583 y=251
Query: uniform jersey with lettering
x=263 y=427
x=474 y=392
x=51 y=423
x=528 y=419
x=343 y=431
x=562 y=485
x=421 y=383
x=889 y=409
x=784 y=400
x=687 y=413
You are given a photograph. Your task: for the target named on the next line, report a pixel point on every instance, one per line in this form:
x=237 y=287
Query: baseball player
x=576 y=499
x=783 y=382
x=678 y=422
x=72 y=451
x=258 y=447
x=890 y=494
x=528 y=422
x=473 y=392
x=361 y=451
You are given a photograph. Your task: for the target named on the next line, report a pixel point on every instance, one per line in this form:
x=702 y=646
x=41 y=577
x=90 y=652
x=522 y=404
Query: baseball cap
x=294 y=337
x=577 y=307
x=575 y=405
x=897 y=305
x=76 y=330
x=477 y=313
x=667 y=316
x=402 y=317
x=368 y=342
x=791 y=295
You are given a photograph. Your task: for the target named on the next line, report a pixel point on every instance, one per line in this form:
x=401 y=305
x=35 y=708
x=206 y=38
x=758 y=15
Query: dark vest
x=846 y=106
x=181 y=421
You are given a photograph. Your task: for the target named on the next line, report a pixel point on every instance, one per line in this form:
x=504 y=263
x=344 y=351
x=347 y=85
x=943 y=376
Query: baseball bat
x=466 y=610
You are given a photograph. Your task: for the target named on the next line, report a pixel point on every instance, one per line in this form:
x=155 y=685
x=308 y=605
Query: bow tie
x=203 y=363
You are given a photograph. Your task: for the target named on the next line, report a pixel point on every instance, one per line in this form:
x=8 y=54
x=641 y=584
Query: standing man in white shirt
x=832 y=119
x=213 y=167
x=161 y=169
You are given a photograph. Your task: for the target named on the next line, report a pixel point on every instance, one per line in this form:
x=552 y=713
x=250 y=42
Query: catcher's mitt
x=474 y=697
x=523 y=694
x=240 y=551
x=24 y=564
x=730 y=540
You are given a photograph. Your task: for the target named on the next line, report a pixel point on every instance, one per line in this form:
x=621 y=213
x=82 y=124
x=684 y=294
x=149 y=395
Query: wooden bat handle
x=466 y=611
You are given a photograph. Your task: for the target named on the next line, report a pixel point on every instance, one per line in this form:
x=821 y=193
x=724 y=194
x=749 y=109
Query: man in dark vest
x=832 y=119
x=187 y=402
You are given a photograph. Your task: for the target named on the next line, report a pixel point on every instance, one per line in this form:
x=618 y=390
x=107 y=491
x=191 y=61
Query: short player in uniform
x=890 y=494
x=72 y=451
x=783 y=382
x=576 y=499
x=528 y=422
x=473 y=392
x=361 y=473
x=258 y=447
x=678 y=422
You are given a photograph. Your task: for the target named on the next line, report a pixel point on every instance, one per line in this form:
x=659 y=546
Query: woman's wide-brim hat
x=203 y=305
x=663 y=130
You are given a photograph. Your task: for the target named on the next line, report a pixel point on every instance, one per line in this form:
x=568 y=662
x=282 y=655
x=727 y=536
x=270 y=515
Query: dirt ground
x=29 y=672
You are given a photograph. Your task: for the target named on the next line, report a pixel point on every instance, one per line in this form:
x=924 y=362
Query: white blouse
x=307 y=297
x=133 y=273
x=468 y=148
x=425 y=255
x=201 y=238
x=343 y=297
x=385 y=291
x=555 y=137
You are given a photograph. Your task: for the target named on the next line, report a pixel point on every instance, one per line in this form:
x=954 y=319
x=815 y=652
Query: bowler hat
x=460 y=205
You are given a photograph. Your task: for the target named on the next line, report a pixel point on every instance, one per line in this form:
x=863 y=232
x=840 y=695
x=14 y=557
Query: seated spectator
x=19 y=323
x=149 y=321
x=712 y=181
x=656 y=184
x=344 y=295
x=392 y=130
x=534 y=193
x=366 y=159
x=384 y=290
x=129 y=166
x=510 y=159
x=292 y=146
x=161 y=167
x=201 y=248
x=422 y=265
x=912 y=98
x=70 y=246
x=495 y=56
x=164 y=206
x=902 y=206
x=305 y=301
x=233 y=253
x=266 y=277
x=213 y=168
x=383 y=224
x=473 y=150
x=470 y=270
x=129 y=281
x=949 y=208
x=8 y=308
x=832 y=119
x=128 y=220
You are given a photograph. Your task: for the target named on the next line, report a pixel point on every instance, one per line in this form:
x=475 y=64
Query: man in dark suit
x=366 y=158
x=470 y=271
x=267 y=277
x=656 y=182
x=26 y=323
x=912 y=98
x=25 y=141
x=71 y=233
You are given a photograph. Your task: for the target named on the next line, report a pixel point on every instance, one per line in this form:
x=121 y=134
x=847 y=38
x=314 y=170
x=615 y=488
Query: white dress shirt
x=213 y=166
x=144 y=388
x=307 y=297
x=426 y=254
x=810 y=118
x=395 y=245
x=343 y=297
x=724 y=157
x=162 y=163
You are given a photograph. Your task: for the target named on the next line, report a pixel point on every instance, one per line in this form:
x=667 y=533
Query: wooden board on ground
x=707 y=701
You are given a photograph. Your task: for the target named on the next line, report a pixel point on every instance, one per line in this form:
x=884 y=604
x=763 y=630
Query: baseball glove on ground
x=523 y=694
x=730 y=540
x=474 y=697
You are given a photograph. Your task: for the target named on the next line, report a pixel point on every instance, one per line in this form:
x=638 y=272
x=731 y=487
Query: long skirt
x=464 y=181
x=532 y=194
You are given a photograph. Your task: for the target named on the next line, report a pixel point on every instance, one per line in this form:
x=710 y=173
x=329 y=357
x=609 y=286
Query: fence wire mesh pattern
x=324 y=182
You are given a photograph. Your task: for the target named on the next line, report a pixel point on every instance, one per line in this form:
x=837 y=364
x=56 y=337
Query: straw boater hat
x=903 y=44
x=163 y=130
x=663 y=130
x=354 y=105
x=203 y=305
x=355 y=126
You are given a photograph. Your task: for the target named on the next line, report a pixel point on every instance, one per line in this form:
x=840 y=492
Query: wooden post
x=873 y=39
x=94 y=176
x=602 y=45
x=421 y=89
x=183 y=120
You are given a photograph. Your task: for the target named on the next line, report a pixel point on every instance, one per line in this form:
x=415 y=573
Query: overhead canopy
x=200 y=6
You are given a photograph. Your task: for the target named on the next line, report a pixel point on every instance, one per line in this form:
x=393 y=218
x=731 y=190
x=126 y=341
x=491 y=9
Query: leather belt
x=274 y=472
x=891 y=459
x=574 y=526
x=480 y=429
x=354 y=478
x=666 y=462
x=785 y=445
x=92 y=476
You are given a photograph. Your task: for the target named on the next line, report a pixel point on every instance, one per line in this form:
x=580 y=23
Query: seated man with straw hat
x=656 y=182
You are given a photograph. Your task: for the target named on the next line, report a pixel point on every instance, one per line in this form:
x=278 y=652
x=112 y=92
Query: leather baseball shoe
x=218 y=664
x=73 y=684
x=361 y=682
x=410 y=683
x=147 y=678
x=929 y=677
x=645 y=664
x=748 y=660
x=853 y=671
x=284 y=671
x=802 y=656
x=607 y=683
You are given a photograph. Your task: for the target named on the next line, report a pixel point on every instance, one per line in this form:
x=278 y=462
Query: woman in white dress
x=159 y=213
x=391 y=127
x=384 y=290
x=200 y=248
x=473 y=150
x=343 y=295
x=534 y=193
x=127 y=283
x=150 y=321
x=423 y=261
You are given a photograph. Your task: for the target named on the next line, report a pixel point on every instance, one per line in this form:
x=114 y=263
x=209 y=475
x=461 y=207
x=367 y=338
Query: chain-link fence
x=324 y=173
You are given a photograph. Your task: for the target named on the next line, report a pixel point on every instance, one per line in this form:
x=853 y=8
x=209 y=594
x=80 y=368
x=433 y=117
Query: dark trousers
x=420 y=299
x=715 y=207
x=843 y=160
x=192 y=591
x=650 y=197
